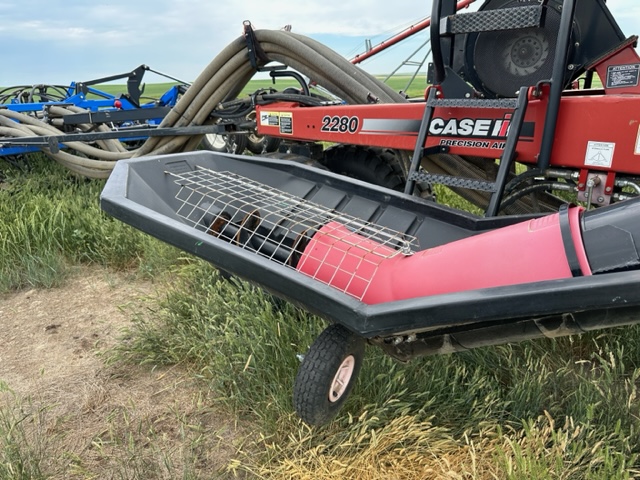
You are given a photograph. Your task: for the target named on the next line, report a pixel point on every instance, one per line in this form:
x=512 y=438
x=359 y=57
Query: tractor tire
x=259 y=144
x=327 y=374
x=379 y=166
x=480 y=168
x=370 y=165
x=225 y=143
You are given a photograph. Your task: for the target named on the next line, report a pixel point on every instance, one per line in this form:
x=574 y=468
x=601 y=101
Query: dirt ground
x=91 y=419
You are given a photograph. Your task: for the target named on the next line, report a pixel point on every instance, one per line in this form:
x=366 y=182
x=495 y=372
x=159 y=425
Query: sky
x=59 y=41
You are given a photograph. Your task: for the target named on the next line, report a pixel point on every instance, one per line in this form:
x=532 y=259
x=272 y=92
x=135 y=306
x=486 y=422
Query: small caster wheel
x=327 y=374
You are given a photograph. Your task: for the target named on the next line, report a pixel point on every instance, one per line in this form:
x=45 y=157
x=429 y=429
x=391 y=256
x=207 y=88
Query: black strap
x=567 y=240
x=257 y=56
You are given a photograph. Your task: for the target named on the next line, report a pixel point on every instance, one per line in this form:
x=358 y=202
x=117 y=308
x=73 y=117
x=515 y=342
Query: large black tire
x=260 y=144
x=225 y=143
x=486 y=169
x=371 y=165
x=327 y=374
x=380 y=166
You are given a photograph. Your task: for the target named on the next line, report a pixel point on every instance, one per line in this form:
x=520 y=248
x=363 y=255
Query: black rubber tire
x=266 y=144
x=370 y=165
x=260 y=144
x=225 y=143
x=312 y=387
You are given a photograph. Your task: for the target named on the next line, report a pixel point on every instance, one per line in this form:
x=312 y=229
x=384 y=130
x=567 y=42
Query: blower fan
x=497 y=63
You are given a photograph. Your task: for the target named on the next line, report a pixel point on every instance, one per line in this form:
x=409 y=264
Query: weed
x=24 y=443
x=52 y=219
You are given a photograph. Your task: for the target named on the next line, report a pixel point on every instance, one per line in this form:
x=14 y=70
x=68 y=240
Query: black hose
x=546 y=185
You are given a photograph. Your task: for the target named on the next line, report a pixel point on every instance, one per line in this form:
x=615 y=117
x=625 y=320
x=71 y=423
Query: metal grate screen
x=280 y=226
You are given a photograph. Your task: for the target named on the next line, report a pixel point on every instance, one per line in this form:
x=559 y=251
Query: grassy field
x=154 y=90
x=549 y=409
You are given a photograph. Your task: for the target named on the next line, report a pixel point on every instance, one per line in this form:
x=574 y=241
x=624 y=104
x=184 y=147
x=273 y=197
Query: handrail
x=557 y=83
x=426 y=23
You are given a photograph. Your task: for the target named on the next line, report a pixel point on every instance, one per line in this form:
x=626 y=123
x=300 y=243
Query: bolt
x=600 y=199
x=571 y=66
x=608 y=189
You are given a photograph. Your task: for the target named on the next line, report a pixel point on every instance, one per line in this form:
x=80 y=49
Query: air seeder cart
x=406 y=274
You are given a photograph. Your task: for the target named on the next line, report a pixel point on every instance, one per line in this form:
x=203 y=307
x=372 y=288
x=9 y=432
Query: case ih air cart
x=408 y=275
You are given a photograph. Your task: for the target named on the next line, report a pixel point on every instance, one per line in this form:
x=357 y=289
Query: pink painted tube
x=531 y=251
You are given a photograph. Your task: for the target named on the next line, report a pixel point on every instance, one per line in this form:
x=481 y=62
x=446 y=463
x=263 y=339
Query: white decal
x=599 y=154
x=270 y=119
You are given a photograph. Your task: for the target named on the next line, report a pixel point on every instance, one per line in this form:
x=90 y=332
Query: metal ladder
x=445 y=25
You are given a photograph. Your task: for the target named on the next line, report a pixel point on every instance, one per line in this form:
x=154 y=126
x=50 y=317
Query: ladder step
x=502 y=103
x=493 y=20
x=451 y=181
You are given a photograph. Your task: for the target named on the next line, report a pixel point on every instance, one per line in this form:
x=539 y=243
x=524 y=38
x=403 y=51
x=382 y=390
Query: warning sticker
x=619 y=76
x=270 y=119
x=286 y=123
x=284 y=120
x=599 y=154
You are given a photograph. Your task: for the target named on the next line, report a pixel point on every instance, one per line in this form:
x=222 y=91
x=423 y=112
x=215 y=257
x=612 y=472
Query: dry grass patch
x=65 y=414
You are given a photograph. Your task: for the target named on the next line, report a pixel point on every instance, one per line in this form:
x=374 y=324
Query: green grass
x=24 y=442
x=151 y=91
x=564 y=408
x=155 y=90
x=546 y=409
x=52 y=219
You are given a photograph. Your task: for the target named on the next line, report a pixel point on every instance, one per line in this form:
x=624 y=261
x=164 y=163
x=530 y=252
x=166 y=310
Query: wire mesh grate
x=330 y=246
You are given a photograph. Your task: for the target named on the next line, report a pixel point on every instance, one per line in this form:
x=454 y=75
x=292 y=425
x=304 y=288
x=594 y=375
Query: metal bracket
x=256 y=53
x=134 y=79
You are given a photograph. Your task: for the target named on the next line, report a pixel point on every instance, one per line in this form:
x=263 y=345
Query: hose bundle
x=221 y=82
x=223 y=79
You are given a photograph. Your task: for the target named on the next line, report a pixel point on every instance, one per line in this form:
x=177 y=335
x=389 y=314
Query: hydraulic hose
x=221 y=80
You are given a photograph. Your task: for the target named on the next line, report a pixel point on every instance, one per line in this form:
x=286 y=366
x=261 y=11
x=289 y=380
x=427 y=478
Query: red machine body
x=396 y=126
x=597 y=132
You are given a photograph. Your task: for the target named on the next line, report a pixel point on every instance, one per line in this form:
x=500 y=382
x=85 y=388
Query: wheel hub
x=342 y=378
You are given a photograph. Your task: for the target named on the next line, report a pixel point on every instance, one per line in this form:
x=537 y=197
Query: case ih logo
x=471 y=127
